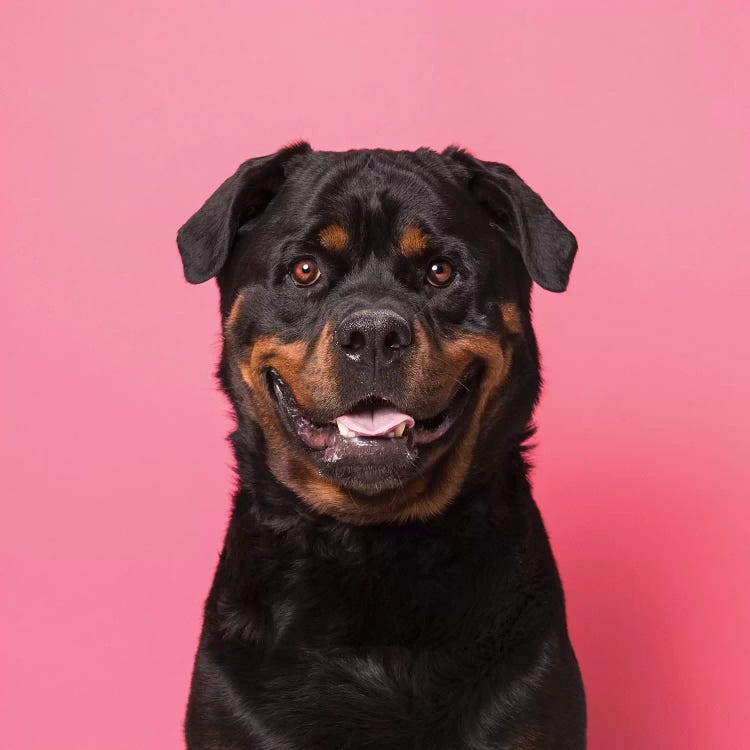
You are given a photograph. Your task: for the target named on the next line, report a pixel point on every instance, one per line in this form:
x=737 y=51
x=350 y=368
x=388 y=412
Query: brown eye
x=440 y=272
x=304 y=272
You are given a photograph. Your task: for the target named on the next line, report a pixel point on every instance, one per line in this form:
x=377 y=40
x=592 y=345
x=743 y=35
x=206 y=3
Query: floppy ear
x=207 y=237
x=546 y=246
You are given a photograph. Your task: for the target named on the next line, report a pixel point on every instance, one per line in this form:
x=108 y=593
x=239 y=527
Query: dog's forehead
x=390 y=187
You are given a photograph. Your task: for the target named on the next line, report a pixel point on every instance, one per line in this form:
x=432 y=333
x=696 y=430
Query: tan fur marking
x=310 y=373
x=511 y=317
x=413 y=241
x=288 y=462
x=234 y=314
x=334 y=238
x=441 y=485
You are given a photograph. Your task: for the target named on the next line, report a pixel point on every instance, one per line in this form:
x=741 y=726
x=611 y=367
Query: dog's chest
x=452 y=698
x=417 y=665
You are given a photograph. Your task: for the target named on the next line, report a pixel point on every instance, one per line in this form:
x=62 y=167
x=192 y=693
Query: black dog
x=386 y=581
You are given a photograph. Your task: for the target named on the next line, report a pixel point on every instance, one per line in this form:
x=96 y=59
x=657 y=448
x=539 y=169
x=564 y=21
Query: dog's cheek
x=443 y=365
x=439 y=365
x=495 y=354
x=248 y=365
x=287 y=461
x=315 y=384
x=429 y=378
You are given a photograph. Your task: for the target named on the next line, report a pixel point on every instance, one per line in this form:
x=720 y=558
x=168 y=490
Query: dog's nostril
x=393 y=340
x=356 y=341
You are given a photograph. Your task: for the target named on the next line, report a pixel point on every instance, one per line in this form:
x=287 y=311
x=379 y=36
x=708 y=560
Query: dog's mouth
x=374 y=443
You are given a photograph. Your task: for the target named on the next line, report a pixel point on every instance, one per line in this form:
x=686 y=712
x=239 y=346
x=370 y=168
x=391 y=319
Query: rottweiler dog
x=386 y=582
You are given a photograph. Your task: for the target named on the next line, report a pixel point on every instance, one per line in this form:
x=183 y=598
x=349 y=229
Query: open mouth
x=372 y=431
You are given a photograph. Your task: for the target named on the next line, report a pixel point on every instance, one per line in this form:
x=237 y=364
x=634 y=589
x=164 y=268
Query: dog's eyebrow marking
x=334 y=238
x=413 y=241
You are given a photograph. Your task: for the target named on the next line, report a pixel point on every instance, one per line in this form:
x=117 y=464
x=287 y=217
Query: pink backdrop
x=633 y=124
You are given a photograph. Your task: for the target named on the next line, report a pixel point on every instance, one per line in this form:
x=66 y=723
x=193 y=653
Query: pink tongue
x=375 y=422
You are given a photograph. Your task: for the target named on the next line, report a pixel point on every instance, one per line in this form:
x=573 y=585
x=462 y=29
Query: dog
x=386 y=581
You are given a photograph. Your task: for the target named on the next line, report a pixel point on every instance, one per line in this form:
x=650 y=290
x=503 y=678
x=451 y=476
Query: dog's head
x=377 y=337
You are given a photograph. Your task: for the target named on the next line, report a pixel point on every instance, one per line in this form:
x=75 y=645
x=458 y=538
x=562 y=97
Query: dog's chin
x=373 y=465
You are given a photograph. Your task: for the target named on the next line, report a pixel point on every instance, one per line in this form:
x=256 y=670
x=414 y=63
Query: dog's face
x=376 y=317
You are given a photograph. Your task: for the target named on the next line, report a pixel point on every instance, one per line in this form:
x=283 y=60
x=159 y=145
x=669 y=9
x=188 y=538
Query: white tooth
x=344 y=430
x=390 y=434
x=399 y=431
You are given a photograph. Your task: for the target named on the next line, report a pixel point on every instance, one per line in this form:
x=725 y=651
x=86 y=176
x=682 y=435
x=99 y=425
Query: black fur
x=443 y=634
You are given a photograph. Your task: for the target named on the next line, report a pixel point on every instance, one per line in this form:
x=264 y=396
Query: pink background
x=123 y=116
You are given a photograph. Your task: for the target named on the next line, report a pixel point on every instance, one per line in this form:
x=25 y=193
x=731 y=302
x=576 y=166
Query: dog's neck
x=281 y=557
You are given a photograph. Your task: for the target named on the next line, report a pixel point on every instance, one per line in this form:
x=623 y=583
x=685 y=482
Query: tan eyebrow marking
x=413 y=241
x=334 y=238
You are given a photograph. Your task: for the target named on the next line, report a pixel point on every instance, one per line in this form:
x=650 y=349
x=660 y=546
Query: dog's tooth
x=396 y=432
x=344 y=430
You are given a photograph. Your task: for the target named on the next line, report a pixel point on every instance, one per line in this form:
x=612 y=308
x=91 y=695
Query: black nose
x=373 y=337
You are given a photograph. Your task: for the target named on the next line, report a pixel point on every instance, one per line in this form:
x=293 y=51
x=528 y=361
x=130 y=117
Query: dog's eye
x=440 y=272
x=304 y=272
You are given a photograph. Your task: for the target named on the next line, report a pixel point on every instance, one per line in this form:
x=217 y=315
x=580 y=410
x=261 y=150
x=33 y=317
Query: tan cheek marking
x=310 y=376
x=511 y=317
x=334 y=238
x=433 y=492
x=413 y=241
x=287 y=462
x=234 y=314
x=268 y=351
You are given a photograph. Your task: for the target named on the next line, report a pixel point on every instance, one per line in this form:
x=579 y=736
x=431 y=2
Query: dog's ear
x=207 y=237
x=546 y=246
